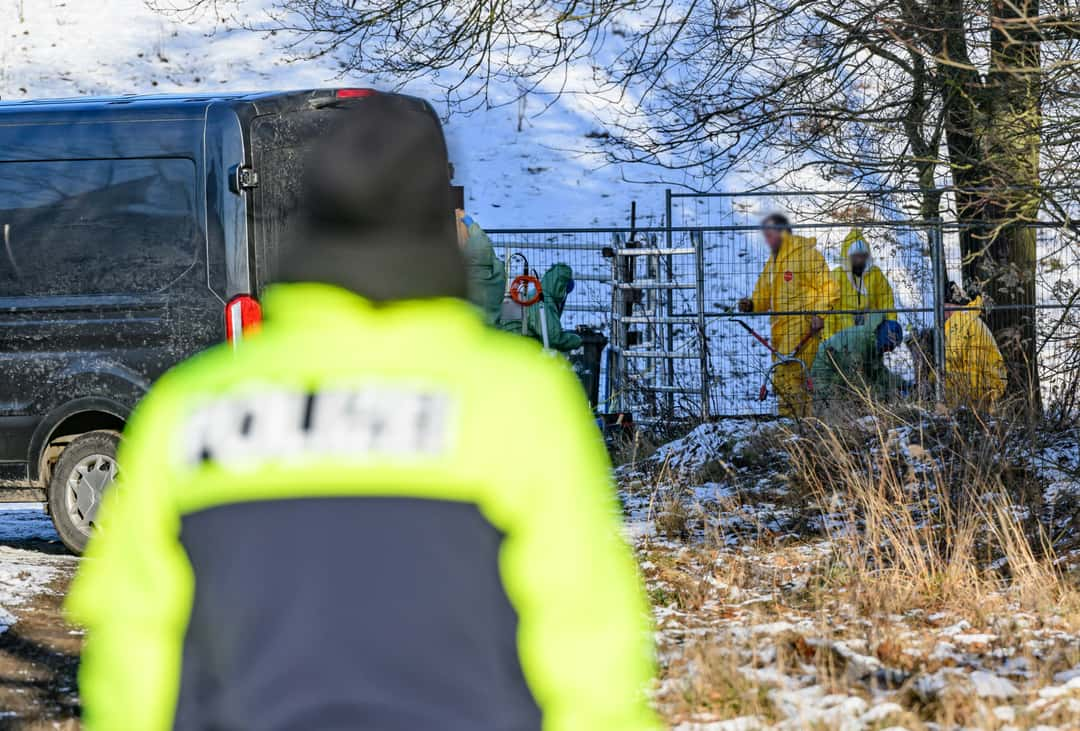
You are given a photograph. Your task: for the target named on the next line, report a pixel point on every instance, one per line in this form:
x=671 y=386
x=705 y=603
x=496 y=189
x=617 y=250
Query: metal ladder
x=657 y=325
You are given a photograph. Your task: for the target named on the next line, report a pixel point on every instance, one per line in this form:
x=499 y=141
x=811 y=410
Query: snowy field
x=534 y=166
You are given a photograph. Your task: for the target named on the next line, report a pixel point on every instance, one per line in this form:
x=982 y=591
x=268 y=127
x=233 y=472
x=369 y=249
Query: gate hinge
x=247 y=178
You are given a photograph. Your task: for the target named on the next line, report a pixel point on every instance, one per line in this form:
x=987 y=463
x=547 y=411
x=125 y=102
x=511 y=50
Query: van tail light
x=354 y=93
x=243 y=315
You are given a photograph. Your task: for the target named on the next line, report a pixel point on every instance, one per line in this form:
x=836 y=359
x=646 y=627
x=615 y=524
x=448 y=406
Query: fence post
x=937 y=254
x=698 y=241
x=669 y=339
x=611 y=357
x=616 y=374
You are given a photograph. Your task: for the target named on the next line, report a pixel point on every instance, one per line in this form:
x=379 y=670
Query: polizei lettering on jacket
x=363 y=423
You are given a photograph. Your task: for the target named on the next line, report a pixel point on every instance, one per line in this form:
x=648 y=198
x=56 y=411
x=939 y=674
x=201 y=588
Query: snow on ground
x=747 y=641
x=25 y=522
x=28 y=558
x=760 y=623
x=688 y=454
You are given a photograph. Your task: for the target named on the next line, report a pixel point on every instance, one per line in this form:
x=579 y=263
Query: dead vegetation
x=932 y=516
x=907 y=569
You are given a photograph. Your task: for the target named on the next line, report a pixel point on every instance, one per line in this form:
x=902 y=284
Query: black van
x=135 y=232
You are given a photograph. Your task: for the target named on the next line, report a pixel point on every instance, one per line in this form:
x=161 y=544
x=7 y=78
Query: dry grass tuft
x=709 y=680
x=926 y=517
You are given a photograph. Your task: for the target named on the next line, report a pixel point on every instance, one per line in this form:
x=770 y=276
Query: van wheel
x=86 y=468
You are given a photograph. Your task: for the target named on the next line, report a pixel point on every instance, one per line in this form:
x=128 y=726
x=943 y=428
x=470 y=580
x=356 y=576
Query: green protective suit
x=850 y=361
x=555 y=285
x=486 y=273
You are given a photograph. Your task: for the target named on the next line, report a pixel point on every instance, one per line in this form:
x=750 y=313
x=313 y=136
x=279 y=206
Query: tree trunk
x=962 y=92
x=992 y=133
x=1006 y=257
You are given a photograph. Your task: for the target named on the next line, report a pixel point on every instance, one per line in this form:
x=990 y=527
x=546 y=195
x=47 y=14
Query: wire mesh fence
x=582 y=249
x=668 y=299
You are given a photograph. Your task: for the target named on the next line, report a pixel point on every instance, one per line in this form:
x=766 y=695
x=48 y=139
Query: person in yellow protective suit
x=861 y=284
x=974 y=369
x=795 y=279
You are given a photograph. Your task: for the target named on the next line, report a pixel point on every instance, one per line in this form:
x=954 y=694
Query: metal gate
x=658 y=327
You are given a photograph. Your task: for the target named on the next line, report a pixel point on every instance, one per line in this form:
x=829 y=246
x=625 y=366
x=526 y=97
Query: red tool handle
x=761 y=339
x=806 y=339
x=758 y=337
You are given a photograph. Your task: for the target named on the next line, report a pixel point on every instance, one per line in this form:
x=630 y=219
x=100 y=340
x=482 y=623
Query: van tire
x=84 y=471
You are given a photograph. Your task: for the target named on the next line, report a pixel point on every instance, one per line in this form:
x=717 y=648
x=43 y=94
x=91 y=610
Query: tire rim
x=86 y=486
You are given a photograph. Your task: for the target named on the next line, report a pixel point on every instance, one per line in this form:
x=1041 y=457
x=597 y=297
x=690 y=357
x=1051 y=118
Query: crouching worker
x=851 y=363
x=331 y=528
x=556 y=285
x=974 y=368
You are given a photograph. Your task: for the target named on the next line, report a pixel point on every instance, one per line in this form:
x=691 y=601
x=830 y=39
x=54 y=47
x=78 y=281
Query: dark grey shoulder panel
x=358 y=613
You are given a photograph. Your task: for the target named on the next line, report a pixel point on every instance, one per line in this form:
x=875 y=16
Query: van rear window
x=281 y=144
x=80 y=227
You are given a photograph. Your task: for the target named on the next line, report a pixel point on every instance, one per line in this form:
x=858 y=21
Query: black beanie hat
x=375 y=214
x=955 y=294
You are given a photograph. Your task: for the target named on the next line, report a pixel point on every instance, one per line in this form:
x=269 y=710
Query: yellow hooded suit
x=871 y=291
x=974 y=368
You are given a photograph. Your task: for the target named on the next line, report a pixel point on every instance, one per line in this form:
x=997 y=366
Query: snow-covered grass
x=914 y=570
x=770 y=637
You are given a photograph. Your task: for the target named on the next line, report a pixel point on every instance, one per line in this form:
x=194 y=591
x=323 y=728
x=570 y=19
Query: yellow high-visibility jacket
x=974 y=368
x=796 y=279
x=437 y=487
x=871 y=291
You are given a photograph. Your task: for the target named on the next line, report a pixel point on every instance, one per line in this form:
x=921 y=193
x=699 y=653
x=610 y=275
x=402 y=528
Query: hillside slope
x=531 y=170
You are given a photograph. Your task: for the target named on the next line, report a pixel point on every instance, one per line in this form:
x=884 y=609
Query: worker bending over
x=850 y=365
x=975 y=372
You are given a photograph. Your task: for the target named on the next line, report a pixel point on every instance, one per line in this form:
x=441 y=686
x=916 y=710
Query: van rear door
x=280 y=144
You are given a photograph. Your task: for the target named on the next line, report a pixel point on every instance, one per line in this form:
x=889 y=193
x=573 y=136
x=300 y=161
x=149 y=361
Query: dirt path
x=39 y=658
x=39 y=652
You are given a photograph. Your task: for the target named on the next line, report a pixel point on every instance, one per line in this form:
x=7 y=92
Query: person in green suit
x=853 y=361
x=485 y=271
x=556 y=285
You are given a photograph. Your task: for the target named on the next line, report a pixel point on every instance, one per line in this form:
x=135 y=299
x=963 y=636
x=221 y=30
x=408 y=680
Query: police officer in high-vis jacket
x=344 y=523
